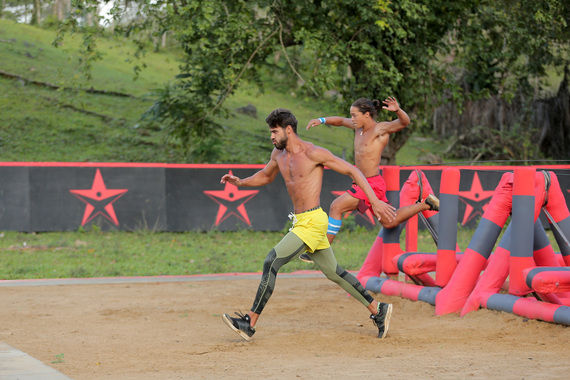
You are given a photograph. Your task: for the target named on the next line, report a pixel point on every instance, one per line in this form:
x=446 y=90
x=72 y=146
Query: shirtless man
x=301 y=165
x=370 y=139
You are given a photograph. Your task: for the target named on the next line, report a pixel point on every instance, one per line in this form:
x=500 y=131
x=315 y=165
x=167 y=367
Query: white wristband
x=322 y=120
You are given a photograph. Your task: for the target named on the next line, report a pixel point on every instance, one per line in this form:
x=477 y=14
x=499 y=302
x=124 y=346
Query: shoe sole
x=306 y=260
x=228 y=321
x=387 y=321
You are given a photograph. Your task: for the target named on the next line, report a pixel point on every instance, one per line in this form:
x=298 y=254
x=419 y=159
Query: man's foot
x=432 y=202
x=305 y=257
x=382 y=318
x=240 y=325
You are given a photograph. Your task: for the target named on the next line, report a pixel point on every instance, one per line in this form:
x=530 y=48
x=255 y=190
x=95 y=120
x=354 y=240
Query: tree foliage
x=422 y=52
x=503 y=45
x=354 y=48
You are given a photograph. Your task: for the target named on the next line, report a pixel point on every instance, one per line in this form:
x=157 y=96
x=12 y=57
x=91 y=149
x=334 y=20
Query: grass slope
x=42 y=124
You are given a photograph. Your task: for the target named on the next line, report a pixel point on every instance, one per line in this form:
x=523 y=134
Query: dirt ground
x=310 y=329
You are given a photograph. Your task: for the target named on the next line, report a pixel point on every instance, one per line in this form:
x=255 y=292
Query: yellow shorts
x=311 y=227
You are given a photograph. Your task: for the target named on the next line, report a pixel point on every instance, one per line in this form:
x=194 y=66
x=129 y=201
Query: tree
x=501 y=54
x=358 y=48
x=505 y=46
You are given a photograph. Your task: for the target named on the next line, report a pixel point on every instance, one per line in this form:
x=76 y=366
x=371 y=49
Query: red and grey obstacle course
x=538 y=285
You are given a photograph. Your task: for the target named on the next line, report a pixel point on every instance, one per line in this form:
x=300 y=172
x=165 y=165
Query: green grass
x=109 y=254
x=103 y=254
x=38 y=124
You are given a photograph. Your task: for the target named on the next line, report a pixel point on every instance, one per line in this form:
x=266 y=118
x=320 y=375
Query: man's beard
x=281 y=144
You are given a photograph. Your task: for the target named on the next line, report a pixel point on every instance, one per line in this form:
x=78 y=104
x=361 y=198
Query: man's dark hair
x=282 y=117
x=366 y=105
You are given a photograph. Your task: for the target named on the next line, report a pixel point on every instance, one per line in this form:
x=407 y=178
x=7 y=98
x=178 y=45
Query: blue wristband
x=322 y=120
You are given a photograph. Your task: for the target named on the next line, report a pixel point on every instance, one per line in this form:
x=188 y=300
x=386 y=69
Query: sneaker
x=305 y=257
x=240 y=325
x=382 y=318
x=432 y=202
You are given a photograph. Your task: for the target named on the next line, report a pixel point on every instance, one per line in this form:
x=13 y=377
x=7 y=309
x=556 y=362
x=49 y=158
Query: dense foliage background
x=437 y=57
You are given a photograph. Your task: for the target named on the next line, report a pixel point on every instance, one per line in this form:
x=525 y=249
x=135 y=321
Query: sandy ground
x=309 y=330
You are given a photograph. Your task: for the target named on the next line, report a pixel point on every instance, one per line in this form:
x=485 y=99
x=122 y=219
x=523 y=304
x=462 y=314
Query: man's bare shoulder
x=382 y=128
x=320 y=155
x=314 y=150
x=389 y=127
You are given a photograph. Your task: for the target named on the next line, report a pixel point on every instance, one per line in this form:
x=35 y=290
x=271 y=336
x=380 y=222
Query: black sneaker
x=432 y=202
x=240 y=325
x=305 y=257
x=382 y=318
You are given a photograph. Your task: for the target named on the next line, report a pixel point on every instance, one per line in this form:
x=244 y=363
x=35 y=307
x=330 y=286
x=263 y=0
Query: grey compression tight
x=291 y=247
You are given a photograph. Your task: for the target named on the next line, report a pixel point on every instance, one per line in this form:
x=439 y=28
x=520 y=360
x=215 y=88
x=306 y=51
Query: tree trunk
x=58 y=6
x=91 y=18
x=36 y=13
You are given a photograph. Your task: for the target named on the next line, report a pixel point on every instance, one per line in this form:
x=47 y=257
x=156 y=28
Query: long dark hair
x=366 y=105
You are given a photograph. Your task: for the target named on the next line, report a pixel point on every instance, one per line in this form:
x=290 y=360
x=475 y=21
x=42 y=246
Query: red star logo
x=368 y=215
x=476 y=200
x=99 y=200
x=231 y=201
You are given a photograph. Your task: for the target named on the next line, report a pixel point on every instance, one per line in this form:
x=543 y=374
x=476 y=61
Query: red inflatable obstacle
x=523 y=247
x=538 y=277
x=387 y=247
x=418 y=264
x=558 y=215
x=452 y=298
x=391 y=236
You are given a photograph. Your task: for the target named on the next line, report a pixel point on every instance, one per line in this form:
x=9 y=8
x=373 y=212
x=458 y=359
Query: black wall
x=66 y=197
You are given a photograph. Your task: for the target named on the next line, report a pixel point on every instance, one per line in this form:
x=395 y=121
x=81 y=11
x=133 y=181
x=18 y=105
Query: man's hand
x=236 y=181
x=383 y=211
x=313 y=123
x=391 y=104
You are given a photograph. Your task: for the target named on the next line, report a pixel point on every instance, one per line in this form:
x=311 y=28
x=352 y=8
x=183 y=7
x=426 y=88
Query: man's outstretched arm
x=336 y=121
x=261 y=178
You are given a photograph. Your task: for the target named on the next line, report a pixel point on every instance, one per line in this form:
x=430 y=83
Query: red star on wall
x=99 y=200
x=368 y=215
x=476 y=200
x=231 y=201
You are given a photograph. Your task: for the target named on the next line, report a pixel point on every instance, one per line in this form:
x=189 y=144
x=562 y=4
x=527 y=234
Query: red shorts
x=378 y=185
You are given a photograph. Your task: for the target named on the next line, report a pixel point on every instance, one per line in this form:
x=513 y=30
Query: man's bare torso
x=302 y=175
x=368 y=149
